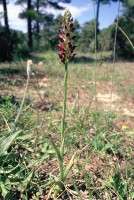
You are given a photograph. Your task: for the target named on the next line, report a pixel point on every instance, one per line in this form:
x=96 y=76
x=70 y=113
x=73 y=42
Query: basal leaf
x=57 y=153
x=6 y=142
x=68 y=167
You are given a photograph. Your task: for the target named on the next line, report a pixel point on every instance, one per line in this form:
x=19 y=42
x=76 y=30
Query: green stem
x=63 y=121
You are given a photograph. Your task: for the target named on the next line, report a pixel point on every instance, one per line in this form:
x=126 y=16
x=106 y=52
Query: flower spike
x=66 y=38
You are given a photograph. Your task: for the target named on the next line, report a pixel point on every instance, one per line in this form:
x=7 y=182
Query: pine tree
x=35 y=16
x=98 y=3
x=4 y=4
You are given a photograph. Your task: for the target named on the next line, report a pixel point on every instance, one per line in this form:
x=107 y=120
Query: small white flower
x=29 y=68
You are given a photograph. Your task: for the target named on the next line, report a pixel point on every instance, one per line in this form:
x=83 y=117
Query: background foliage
x=42 y=31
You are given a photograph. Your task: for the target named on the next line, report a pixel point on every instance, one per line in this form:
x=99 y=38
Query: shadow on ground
x=78 y=59
x=83 y=59
x=9 y=71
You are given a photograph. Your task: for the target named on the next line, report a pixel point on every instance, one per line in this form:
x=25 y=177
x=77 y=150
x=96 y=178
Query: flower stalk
x=63 y=121
x=29 y=69
x=64 y=106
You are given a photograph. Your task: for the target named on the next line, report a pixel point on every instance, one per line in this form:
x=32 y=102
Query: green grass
x=103 y=138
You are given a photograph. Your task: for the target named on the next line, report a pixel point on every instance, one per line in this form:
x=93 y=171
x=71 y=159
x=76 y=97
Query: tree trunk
x=37 y=23
x=97 y=22
x=5 y=15
x=29 y=25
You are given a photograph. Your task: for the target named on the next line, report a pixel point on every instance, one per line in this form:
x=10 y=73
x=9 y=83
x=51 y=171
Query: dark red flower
x=71 y=24
x=62 y=39
x=62 y=58
x=63 y=52
x=61 y=32
x=72 y=56
x=69 y=43
x=61 y=47
x=72 y=49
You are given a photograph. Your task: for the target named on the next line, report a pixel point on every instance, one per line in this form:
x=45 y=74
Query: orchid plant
x=66 y=55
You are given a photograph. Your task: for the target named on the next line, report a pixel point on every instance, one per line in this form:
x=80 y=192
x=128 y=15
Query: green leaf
x=6 y=142
x=4 y=190
x=27 y=180
x=2 y=138
x=24 y=184
x=132 y=195
x=26 y=146
x=8 y=156
x=68 y=167
x=62 y=147
x=130 y=132
x=60 y=159
x=108 y=146
x=8 y=170
x=107 y=184
x=25 y=137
